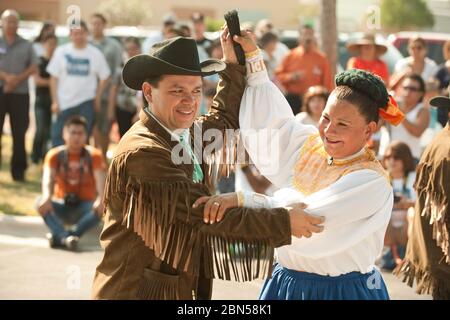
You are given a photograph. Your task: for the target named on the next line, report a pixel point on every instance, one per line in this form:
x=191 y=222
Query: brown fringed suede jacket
x=156 y=245
x=427 y=257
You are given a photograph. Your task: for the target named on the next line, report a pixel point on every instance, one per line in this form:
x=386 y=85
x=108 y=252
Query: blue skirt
x=287 y=284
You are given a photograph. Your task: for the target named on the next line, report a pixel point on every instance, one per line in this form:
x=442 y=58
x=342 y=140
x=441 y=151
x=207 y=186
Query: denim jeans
x=43 y=118
x=84 y=109
x=82 y=217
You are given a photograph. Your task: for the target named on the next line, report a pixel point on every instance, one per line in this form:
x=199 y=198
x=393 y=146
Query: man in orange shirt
x=72 y=186
x=304 y=67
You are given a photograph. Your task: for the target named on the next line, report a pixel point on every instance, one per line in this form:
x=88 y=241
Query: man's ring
x=215 y=203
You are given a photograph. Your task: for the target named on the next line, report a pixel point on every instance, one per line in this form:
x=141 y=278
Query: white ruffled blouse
x=353 y=194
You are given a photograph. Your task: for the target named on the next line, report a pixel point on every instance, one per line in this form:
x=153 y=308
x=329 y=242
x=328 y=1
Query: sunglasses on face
x=413 y=89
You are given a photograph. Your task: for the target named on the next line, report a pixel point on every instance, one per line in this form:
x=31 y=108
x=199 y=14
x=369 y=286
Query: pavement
x=30 y=270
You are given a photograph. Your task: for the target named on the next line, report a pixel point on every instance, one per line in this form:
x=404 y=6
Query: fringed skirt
x=287 y=284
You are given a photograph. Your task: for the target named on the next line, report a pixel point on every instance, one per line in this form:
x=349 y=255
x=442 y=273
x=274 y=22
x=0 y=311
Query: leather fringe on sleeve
x=231 y=259
x=432 y=182
x=425 y=282
x=223 y=161
x=411 y=273
x=149 y=209
x=431 y=186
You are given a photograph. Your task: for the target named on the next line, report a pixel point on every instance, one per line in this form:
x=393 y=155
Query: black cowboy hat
x=443 y=105
x=440 y=102
x=176 y=56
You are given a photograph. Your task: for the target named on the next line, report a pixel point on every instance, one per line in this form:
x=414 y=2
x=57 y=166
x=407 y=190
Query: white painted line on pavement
x=32 y=241
x=20 y=219
x=9 y=252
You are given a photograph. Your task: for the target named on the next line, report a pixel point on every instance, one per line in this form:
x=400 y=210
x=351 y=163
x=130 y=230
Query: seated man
x=72 y=186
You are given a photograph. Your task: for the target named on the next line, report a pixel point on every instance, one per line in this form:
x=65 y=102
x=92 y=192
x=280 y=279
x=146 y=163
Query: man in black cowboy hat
x=157 y=246
x=427 y=257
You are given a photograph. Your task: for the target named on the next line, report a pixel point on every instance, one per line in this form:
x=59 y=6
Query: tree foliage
x=405 y=15
x=126 y=12
x=213 y=24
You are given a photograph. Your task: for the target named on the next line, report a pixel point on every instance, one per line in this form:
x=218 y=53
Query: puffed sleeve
x=269 y=131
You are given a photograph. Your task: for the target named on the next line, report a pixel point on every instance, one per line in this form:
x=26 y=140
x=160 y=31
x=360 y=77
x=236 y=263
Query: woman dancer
x=332 y=171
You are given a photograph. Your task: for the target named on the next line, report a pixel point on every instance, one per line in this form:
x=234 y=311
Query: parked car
x=290 y=39
x=435 y=42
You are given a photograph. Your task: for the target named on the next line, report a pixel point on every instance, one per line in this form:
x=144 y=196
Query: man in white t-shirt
x=79 y=73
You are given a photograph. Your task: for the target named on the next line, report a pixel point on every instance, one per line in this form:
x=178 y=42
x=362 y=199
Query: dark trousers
x=295 y=101
x=17 y=106
x=43 y=116
x=124 y=120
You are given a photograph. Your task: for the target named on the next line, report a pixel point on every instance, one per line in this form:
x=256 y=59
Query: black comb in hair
x=234 y=27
